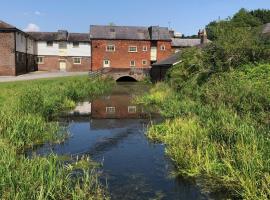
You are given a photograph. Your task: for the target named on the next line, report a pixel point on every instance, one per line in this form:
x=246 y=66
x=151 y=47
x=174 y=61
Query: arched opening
x=126 y=79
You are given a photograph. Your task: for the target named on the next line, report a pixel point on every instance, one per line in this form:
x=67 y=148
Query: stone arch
x=126 y=78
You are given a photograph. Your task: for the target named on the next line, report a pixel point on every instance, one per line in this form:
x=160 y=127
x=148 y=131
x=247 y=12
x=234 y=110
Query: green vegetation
x=28 y=110
x=216 y=102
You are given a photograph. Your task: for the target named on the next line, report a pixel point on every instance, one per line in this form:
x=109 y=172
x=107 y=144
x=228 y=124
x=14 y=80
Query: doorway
x=63 y=66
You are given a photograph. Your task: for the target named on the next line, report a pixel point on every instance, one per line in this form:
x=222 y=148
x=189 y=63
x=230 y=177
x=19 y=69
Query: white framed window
x=110 y=110
x=110 y=48
x=162 y=48
x=77 y=60
x=131 y=109
x=40 y=60
x=49 y=43
x=132 y=49
x=144 y=62
x=62 y=45
x=132 y=63
x=144 y=48
x=76 y=44
x=106 y=63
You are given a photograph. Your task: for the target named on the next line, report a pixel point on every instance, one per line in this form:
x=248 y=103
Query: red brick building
x=17 y=51
x=62 y=51
x=125 y=47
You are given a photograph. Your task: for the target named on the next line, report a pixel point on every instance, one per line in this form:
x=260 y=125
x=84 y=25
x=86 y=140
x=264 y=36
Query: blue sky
x=185 y=16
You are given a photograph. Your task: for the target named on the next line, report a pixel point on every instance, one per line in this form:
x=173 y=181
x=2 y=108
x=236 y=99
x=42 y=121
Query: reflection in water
x=133 y=167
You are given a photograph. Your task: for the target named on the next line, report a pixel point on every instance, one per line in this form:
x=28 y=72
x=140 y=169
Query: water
x=133 y=167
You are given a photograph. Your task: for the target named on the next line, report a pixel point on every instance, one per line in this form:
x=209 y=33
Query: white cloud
x=32 y=28
x=37 y=13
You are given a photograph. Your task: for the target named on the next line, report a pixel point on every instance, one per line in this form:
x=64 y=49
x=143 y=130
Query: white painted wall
x=84 y=49
x=31 y=46
x=20 y=42
x=43 y=50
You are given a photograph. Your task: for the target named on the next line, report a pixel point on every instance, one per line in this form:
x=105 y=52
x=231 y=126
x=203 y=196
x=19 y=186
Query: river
x=114 y=134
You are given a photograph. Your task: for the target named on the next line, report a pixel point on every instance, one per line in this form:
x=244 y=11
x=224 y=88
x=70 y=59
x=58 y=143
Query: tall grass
x=219 y=130
x=26 y=119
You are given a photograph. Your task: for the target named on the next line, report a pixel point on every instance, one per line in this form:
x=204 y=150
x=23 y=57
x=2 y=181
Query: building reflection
x=116 y=106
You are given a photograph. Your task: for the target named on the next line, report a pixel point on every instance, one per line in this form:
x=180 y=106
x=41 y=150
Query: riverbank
x=26 y=119
x=217 y=127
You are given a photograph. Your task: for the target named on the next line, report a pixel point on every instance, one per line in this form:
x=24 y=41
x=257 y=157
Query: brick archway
x=126 y=78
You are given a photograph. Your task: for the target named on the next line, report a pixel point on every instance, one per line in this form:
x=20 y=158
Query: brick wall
x=121 y=57
x=7 y=54
x=51 y=63
x=161 y=55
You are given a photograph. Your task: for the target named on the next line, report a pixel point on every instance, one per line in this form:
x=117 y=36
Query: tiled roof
x=129 y=32
x=186 y=42
x=266 y=29
x=4 y=25
x=170 y=60
x=60 y=36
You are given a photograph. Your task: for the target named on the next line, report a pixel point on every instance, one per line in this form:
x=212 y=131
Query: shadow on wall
x=126 y=79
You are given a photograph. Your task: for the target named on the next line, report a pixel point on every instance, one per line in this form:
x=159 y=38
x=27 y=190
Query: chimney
x=203 y=36
x=62 y=34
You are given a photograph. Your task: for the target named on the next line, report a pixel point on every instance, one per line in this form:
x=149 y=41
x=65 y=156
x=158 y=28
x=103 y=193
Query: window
x=49 y=43
x=132 y=63
x=77 y=60
x=106 y=63
x=110 y=48
x=132 y=49
x=162 y=48
x=62 y=45
x=131 y=109
x=110 y=110
x=144 y=62
x=76 y=44
x=144 y=48
x=40 y=60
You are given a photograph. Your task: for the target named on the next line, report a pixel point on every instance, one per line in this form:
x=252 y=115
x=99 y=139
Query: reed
x=218 y=130
x=28 y=110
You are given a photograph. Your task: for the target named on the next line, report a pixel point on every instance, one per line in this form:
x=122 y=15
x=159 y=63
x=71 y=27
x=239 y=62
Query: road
x=39 y=75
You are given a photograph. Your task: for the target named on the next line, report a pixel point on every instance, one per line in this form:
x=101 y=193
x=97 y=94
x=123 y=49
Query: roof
x=129 y=32
x=266 y=29
x=182 y=42
x=4 y=25
x=60 y=36
x=173 y=59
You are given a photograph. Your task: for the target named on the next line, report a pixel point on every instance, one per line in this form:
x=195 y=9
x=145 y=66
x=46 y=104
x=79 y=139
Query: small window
x=62 y=45
x=144 y=48
x=40 y=60
x=110 y=110
x=49 y=43
x=76 y=44
x=110 y=48
x=132 y=63
x=162 y=48
x=132 y=49
x=132 y=109
x=144 y=62
x=77 y=61
x=106 y=63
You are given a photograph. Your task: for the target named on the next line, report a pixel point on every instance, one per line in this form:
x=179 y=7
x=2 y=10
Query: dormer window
x=49 y=43
x=76 y=44
x=62 y=45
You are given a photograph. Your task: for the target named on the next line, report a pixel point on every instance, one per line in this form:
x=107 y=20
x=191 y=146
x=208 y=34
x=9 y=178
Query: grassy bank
x=27 y=110
x=218 y=129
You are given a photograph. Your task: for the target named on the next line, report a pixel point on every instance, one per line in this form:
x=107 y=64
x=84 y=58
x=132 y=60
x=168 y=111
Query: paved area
x=39 y=75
